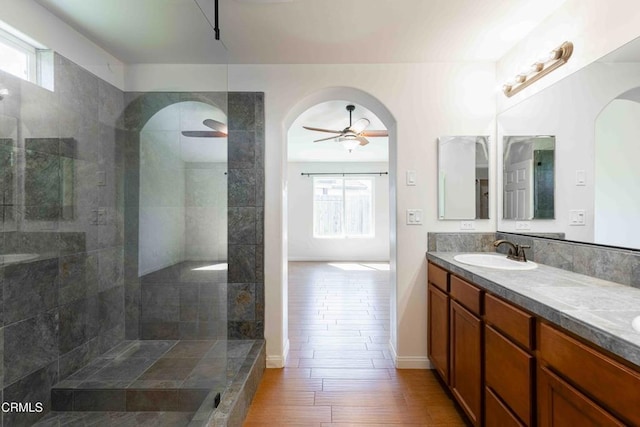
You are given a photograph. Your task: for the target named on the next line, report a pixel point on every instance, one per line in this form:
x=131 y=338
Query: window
x=25 y=58
x=343 y=207
x=17 y=57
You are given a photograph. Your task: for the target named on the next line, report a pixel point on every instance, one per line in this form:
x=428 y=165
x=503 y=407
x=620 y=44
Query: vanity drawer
x=608 y=382
x=466 y=294
x=496 y=414
x=514 y=323
x=509 y=372
x=438 y=277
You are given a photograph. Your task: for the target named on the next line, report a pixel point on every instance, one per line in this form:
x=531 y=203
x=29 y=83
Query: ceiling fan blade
x=326 y=139
x=204 y=133
x=360 y=125
x=374 y=133
x=363 y=140
x=322 y=130
x=216 y=125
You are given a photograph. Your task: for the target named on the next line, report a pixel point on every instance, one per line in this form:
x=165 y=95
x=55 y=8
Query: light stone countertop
x=594 y=309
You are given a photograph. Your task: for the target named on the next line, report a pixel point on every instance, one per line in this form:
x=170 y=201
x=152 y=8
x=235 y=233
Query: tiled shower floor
x=155 y=382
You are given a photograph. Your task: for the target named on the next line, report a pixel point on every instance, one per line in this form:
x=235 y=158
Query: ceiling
x=333 y=115
x=304 y=31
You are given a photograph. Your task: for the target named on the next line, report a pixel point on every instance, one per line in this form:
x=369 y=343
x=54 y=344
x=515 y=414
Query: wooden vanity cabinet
x=465 y=375
x=560 y=404
x=579 y=381
x=506 y=367
x=438 y=320
x=466 y=361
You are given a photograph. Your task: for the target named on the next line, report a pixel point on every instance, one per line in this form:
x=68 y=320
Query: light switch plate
x=411 y=177
x=523 y=225
x=581 y=179
x=414 y=216
x=577 y=217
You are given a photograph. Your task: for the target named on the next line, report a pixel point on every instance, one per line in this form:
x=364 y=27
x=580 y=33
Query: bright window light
x=24 y=58
x=343 y=207
x=213 y=267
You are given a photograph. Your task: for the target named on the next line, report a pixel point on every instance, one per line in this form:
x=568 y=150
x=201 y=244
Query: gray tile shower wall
x=63 y=200
x=245 y=293
x=160 y=307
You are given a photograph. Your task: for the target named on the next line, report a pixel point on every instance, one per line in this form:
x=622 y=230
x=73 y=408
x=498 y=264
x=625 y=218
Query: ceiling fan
x=219 y=130
x=354 y=134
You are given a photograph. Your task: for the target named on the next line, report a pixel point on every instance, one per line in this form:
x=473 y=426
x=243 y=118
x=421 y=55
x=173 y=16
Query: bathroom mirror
x=594 y=116
x=528 y=177
x=463 y=177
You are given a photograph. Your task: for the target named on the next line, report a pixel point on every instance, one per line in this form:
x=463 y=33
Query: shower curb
x=235 y=402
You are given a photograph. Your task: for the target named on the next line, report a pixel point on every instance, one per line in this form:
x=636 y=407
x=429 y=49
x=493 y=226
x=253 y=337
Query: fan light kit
x=353 y=135
x=543 y=66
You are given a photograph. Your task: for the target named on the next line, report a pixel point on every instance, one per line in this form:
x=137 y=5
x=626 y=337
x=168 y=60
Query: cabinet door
x=466 y=361
x=559 y=405
x=438 y=333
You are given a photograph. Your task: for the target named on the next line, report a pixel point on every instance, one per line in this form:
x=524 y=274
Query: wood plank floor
x=339 y=371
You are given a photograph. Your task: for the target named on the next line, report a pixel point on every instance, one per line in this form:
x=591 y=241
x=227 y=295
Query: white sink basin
x=14 y=258
x=635 y=323
x=492 y=260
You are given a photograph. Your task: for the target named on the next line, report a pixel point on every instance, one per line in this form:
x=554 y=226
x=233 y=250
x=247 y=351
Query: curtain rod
x=343 y=173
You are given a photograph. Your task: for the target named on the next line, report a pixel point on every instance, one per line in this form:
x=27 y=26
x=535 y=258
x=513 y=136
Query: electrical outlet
x=467 y=225
x=523 y=225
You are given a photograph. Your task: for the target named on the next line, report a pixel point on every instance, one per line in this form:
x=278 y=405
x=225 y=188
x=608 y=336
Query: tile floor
x=339 y=371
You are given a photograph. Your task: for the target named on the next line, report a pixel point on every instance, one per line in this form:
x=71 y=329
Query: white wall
x=35 y=21
x=206 y=211
x=304 y=247
x=595 y=27
x=162 y=197
x=617 y=151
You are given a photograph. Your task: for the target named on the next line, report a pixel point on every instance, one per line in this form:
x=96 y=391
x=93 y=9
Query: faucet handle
x=522 y=256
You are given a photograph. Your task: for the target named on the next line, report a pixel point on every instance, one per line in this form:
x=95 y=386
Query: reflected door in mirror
x=528 y=177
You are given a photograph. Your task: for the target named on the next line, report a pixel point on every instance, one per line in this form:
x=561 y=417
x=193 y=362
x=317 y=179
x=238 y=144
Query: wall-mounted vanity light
x=543 y=66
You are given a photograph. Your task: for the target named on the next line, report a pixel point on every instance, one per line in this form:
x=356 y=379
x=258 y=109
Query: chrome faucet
x=516 y=252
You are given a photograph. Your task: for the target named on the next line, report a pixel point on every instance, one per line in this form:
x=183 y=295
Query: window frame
x=344 y=235
x=30 y=51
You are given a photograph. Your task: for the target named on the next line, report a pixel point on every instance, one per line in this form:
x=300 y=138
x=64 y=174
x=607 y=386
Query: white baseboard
x=409 y=362
x=413 y=362
x=277 y=361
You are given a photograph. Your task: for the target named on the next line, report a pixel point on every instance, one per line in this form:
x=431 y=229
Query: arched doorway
x=380 y=110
